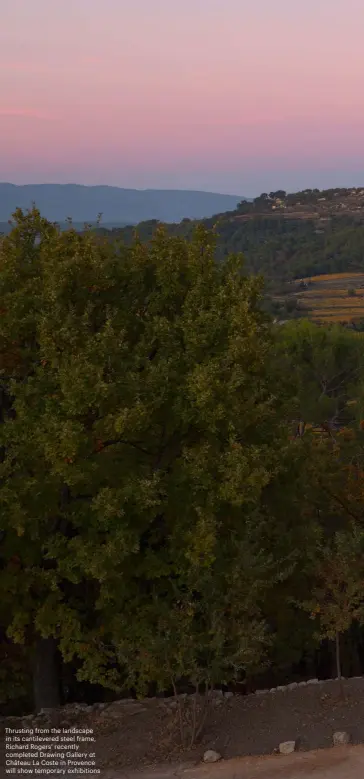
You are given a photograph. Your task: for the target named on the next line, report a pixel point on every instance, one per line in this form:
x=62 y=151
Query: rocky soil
x=134 y=734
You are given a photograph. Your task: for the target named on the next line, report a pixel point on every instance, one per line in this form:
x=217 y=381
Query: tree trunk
x=338 y=662
x=46 y=675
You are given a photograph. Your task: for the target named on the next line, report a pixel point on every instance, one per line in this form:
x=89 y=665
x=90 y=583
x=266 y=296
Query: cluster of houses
x=308 y=204
x=351 y=201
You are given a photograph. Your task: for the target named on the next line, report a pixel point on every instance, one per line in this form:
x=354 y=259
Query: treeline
x=283 y=250
x=280 y=249
x=181 y=482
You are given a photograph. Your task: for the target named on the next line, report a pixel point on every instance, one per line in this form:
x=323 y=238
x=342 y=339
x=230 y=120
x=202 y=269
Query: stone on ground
x=287 y=747
x=341 y=737
x=211 y=756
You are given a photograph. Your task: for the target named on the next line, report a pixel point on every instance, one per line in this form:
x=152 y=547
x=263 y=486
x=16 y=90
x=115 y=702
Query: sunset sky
x=237 y=96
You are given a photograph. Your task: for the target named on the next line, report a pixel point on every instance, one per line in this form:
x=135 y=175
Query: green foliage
x=326 y=370
x=337 y=598
x=157 y=517
x=142 y=434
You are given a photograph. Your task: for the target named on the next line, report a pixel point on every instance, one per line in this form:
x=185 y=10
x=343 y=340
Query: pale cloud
x=92 y=60
x=73 y=60
x=29 y=113
x=22 y=67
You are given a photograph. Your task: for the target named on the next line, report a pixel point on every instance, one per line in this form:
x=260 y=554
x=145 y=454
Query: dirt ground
x=338 y=763
x=238 y=726
x=134 y=736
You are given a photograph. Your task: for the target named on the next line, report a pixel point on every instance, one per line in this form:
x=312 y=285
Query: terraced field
x=331 y=298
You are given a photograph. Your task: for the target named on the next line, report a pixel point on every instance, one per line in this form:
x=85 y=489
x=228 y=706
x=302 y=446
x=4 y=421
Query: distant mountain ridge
x=57 y=202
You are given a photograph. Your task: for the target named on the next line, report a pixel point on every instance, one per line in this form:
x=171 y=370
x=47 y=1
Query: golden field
x=335 y=277
x=326 y=297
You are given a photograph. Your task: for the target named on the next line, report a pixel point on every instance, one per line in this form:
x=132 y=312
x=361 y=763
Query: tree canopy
x=140 y=432
x=159 y=522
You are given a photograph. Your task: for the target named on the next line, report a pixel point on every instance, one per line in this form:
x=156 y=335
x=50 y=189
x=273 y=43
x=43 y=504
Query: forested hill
x=287 y=236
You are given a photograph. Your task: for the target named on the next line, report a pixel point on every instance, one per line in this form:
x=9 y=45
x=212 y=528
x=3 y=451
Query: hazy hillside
x=5 y=227
x=286 y=243
x=127 y=206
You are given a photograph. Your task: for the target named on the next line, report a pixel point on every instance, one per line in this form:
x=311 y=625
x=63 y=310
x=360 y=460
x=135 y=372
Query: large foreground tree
x=141 y=435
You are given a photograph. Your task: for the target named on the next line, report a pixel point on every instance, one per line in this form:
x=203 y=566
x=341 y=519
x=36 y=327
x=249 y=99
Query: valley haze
x=57 y=202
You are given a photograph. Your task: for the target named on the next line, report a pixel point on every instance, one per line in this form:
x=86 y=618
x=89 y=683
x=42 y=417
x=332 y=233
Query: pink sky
x=230 y=95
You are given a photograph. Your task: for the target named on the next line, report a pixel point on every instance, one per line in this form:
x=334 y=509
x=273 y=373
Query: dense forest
x=284 y=237
x=181 y=481
x=282 y=250
x=327 y=237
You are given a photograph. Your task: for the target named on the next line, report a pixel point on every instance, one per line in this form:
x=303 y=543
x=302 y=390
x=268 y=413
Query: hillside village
x=308 y=204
